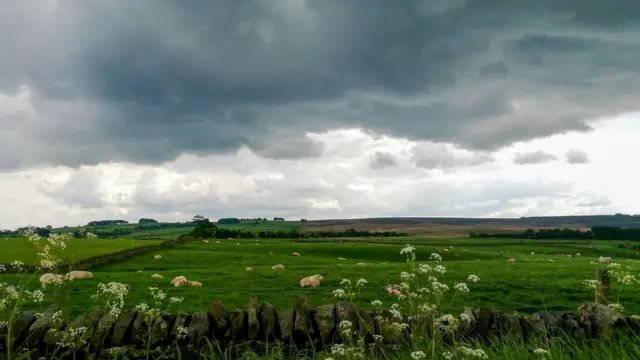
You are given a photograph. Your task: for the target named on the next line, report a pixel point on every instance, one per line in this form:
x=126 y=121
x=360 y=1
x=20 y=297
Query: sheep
x=205 y=241
x=157 y=276
x=311 y=281
x=249 y=269
x=295 y=254
x=393 y=290
x=341 y=258
x=605 y=260
x=532 y=253
x=179 y=281
x=445 y=250
x=277 y=267
x=194 y=283
x=218 y=242
x=50 y=278
x=512 y=261
x=79 y=275
x=578 y=254
x=157 y=257
x=361 y=264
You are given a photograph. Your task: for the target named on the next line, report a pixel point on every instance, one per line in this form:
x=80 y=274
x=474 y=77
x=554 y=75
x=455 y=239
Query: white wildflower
x=591 y=284
x=376 y=304
x=405 y=276
x=462 y=287
x=447 y=355
x=338 y=349
x=469 y=352
x=617 y=307
x=339 y=293
x=540 y=352
x=176 y=300
x=418 y=355
x=473 y=278
x=436 y=257
x=439 y=288
x=345 y=282
x=440 y=269
x=181 y=332
x=628 y=279
x=424 y=269
x=361 y=282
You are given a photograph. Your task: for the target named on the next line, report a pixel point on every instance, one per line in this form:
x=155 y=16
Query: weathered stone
x=268 y=323
x=123 y=327
x=467 y=321
x=346 y=319
x=21 y=325
x=601 y=319
x=180 y=327
x=102 y=335
x=302 y=321
x=487 y=319
x=162 y=326
x=220 y=318
x=323 y=322
x=88 y=321
x=239 y=326
x=253 y=327
x=140 y=328
x=198 y=326
x=285 y=319
x=43 y=323
x=366 y=325
x=390 y=327
x=512 y=330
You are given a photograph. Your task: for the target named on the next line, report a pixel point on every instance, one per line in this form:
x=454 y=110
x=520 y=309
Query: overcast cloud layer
x=220 y=87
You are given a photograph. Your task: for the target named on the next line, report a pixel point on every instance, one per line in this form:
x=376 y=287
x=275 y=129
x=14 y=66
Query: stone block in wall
x=101 y=338
x=40 y=327
x=123 y=328
x=198 y=327
x=366 y=325
x=220 y=320
x=285 y=320
x=239 y=326
x=269 y=327
x=302 y=321
x=323 y=323
x=599 y=319
x=180 y=326
x=21 y=325
x=253 y=327
x=346 y=313
x=88 y=321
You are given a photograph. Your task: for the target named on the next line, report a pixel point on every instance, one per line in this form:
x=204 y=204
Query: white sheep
x=50 y=278
x=512 y=261
x=79 y=275
x=218 y=242
x=533 y=253
x=341 y=258
x=361 y=264
x=157 y=257
x=393 y=290
x=157 y=276
x=194 y=284
x=605 y=260
x=295 y=254
x=578 y=254
x=205 y=241
x=249 y=269
x=277 y=267
x=311 y=281
x=179 y=281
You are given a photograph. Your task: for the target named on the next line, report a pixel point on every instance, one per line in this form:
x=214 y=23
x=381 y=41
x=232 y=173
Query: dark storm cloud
x=534 y=157
x=156 y=79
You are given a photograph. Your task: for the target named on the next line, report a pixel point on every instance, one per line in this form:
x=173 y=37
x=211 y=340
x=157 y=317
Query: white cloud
x=427 y=180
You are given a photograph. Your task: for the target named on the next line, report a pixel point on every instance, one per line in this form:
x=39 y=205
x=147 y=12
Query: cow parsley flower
x=473 y=278
x=462 y=287
x=418 y=355
x=436 y=257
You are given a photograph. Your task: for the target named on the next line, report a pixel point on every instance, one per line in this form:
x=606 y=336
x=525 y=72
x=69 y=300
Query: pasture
x=12 y=249
x=532 y=284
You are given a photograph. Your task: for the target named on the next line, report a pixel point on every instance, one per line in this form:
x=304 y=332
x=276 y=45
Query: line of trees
x=596 y=233
x=206 y=229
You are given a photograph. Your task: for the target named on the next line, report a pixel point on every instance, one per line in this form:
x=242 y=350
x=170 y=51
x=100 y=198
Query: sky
x=317 y=109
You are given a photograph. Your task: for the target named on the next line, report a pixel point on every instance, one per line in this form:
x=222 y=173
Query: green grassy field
x=533 y=283
x=12 y=249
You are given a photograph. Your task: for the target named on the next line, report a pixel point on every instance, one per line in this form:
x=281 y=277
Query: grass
x=532 y=284
x=77 y=249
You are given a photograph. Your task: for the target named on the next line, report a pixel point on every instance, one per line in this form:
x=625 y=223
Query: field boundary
x=100 y=260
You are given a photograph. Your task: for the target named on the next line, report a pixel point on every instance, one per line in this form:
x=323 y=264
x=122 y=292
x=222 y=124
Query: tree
x=204 y=229
x=147 y=221
x=198 y=218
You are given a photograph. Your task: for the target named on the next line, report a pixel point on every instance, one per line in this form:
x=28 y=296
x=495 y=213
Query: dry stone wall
x=259 y=326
